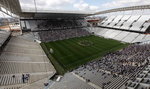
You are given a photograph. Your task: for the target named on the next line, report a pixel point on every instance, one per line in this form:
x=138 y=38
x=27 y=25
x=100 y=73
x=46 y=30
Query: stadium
x=74 y=49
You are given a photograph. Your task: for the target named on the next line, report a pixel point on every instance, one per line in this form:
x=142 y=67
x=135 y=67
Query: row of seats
x=141 y=81
x=54 y=35
x=10 y=80
x=70 y=81
x=3 y=37
x=100 y=78
x=21 y=67
x=55 y=24
x=21 y=56
x=124 y=36
x=13 y=86
x=17 y=79
x=138 y=23
x=114 y=69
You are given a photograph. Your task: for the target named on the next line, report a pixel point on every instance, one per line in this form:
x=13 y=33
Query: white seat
x=115 y=21
x=126 y=25
x=137 y=25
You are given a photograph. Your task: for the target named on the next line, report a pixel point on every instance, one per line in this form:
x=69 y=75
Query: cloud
x=85 y=6
x=124 y=3
x=46 y=4
x=58 y=5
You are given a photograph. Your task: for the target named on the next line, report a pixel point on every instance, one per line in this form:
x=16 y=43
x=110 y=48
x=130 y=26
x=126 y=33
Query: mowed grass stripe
x=81 y=48
x=57 y=53
x=90 y=49
x=70 y=54
x=79 y=56
x=62 y=58
x=98 y=44
x=102 y=44
x=72 y=51
x=95 y=47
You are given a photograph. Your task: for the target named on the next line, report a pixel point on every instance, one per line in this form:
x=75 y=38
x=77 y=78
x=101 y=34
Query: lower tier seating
x=124 y=36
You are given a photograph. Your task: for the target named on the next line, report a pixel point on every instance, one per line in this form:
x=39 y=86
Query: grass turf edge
x=60 y=70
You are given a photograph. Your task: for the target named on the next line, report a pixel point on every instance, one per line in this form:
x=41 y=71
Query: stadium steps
x=16 y=86
x=135 y=38
x=8 y=57
x=24 y=57
x=118 y=85
x=125 y=36
x=13 y=67
x=9 y=80
x=114 y=82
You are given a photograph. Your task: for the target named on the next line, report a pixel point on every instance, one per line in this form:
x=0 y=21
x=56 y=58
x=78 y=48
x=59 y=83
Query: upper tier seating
x=137 y=26
x=115 y=21
x=122 y=20
x=107 y=21
x=126 y=25
x=58 y=30
x=138 y=23
x=41 y=25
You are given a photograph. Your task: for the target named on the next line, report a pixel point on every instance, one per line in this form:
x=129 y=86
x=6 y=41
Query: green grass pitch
x=69 y=54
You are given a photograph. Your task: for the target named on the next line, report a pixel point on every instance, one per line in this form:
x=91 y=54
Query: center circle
x=85 y=43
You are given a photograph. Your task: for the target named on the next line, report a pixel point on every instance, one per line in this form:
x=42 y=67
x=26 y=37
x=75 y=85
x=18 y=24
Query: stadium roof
x=124 y=9
x=11 y=5
x=14 y=7
x=55 y=13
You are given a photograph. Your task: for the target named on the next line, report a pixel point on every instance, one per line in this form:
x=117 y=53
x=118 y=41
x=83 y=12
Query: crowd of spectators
x=125 y=62
x=52 y=30
x=58 y=24
x=54 y=35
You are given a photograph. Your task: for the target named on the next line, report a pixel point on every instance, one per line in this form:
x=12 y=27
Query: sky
x=80 y=5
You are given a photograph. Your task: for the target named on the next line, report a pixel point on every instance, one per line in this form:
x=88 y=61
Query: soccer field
x=70 y=53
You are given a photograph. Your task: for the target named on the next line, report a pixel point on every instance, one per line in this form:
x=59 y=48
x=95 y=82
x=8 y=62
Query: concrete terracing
x=21 y=56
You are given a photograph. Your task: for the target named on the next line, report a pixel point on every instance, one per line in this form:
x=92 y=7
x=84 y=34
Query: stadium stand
x=56 y=24
x=100 y=78
x=138 y=23
x=25 y=65
x=130 y=37
x=70 y=81
x=115 y=21
x=59 y=29
x=54 y=35
x=4 y=36
x=121 y=35
x=128 y=24
x=122 y=20
x=124 y=36
x=141 y=81
x=23 y=62
x=114 y=69
x=145 y=26
x=108 y=21
x=139 y=38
